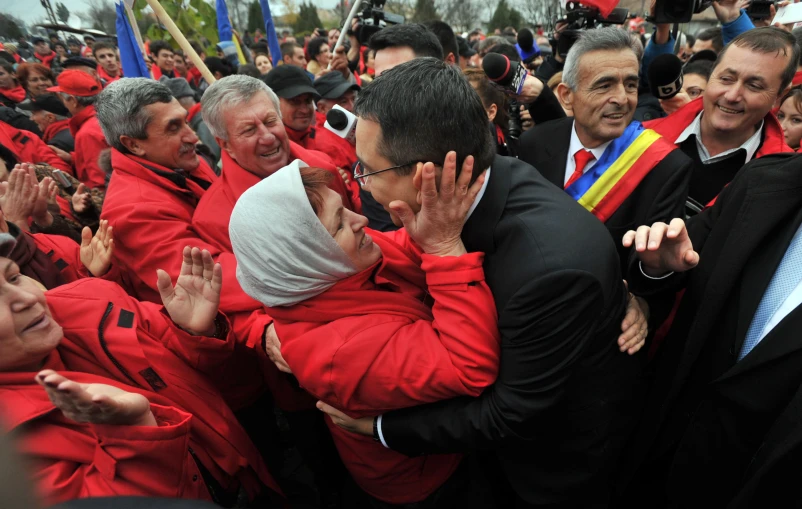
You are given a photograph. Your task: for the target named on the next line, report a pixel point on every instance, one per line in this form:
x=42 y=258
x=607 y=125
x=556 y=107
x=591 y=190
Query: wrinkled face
x=165 y=60
x=256 y=140
x=345 y=101
x=297 y=58
x=791 y=120
x=107 y=58
x=298 y=113
x=694 y=85
x=28 y=332
x=42 y=119
x=387 y=186
x=38 y=84
x=170 y=141
x=324 y=56
x=348 y=230
x=41 y=48
x=333 y=36
x=743 y=88
x=6 y=79
x=390 y=57
x=264 y=64
x=180 y=64
x=606 y=95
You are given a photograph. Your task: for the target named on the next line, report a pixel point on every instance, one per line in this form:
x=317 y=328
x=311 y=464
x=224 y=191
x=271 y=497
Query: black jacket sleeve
x=546 y=107
x=545 y=327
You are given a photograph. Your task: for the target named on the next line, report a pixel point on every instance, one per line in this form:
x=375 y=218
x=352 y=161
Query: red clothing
x=248 y=317
x=28 y=148
x=328 y=143
x=14 y=95
x=66 y=256
x=158 y=73
x=89 y=142
x=46 y=60
x=55 y=128
x=101 y=72
x=151 y=208
x=194 y=110
x=372 y=343
x=194 y=76
x=797 y=79
x=672 y=126
x=111 y=338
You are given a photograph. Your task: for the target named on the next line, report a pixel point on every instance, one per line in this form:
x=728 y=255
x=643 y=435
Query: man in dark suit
x=562 y=405
x=723 y=417
x=600 y=88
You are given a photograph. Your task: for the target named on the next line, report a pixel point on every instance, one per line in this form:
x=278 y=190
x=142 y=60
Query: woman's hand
x=362 y=426
x=96 y=252
x=193 y=302
x=17 y=197
x=273 y=349
x=437 y=227
x=96 y=403
x=81 y=200
x=62 y=154
x=635 y=326
x=46 y=195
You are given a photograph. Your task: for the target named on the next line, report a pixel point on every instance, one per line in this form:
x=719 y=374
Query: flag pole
x=345 y=29
x=182 y=41
x=132 y=19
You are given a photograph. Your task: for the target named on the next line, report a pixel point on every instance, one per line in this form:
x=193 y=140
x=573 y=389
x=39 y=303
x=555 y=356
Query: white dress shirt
x=574 y=147
x=470 y=211
x=751 y=145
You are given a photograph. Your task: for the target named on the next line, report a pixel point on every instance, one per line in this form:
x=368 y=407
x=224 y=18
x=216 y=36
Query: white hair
x=227 y=92
x=599 y=39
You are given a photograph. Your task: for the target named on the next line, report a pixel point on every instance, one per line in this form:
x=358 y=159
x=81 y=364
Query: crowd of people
x=576 y=294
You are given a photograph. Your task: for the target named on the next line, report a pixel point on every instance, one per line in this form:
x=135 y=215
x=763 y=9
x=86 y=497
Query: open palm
x=96 y=252
x=194 y=300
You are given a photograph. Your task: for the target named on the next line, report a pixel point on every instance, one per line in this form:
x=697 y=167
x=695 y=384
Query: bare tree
x=101 y=15
x=539 y=11
x=462 y=15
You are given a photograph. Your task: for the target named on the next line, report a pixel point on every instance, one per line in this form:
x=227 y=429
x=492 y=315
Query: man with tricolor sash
x=621 y=172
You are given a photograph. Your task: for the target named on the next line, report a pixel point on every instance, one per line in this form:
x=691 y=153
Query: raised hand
x=96 y=252
x=81 y=199
x=193 y=302
x=663 y=248
x=18 y=196
x=46 y=194
x=362 y=426
x=728 y=11
x=437 y=227
x=96 y=403
x=273 y=349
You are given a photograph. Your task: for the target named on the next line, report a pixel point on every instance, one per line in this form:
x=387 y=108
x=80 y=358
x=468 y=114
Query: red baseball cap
x=75 y=82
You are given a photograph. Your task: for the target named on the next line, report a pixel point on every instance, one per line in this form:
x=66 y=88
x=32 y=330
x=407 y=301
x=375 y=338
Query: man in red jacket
x=28 y=148
x=732 y=123
x=334 y=90
x=44 y=55
x=109 y=69
x=78 y=91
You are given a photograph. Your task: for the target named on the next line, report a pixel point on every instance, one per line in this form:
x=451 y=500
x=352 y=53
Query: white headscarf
x=284 y=253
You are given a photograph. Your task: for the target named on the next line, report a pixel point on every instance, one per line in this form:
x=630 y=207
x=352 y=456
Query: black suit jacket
x=562 y=400
x=660 y=196
x=714 y=425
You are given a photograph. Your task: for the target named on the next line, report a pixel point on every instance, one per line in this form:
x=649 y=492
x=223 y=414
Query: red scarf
x=193 y=111
x=306 y=138
x=16 y=94
x=46 y=59
x=80 y=118
x=194 y=76
x=55 y=128
x=108 y=78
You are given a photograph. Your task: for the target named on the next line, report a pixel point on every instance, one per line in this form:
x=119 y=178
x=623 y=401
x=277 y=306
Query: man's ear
x=565 y=96
x=133 y=145
x=452 y=59
x=225 y=145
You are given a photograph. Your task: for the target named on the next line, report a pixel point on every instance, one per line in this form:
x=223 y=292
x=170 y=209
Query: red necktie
x=581 y=158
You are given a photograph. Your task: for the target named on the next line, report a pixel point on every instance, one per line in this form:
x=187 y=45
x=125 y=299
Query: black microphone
x=526 y=40
x=337 y=119
x=509 y=75
x=665 y=76
x=342 y=123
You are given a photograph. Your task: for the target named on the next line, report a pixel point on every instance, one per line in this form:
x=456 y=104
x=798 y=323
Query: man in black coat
x=722 y=423
x=562 y=405
x=600 y=87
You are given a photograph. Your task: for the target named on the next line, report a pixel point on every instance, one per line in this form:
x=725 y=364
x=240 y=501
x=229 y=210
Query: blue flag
x=224 y=30
x=270 y=31
x=130 y=54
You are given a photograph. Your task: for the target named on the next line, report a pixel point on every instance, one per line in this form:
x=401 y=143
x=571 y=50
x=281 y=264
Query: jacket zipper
x=105 y=347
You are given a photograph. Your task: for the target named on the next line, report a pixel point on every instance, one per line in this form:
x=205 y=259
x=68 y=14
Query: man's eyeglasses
x=362 y=177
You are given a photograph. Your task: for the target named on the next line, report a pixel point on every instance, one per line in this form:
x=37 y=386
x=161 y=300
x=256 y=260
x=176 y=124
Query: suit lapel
x=477 y=234
x=556 y=149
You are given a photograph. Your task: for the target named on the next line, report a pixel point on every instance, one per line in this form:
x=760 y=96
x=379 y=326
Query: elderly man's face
x=345 y=101
x=743 y=88
x=43 y=119
x=387 y=186
x=256 y=140
x=606 y=95
x=298 y=113
x=170 y=141
x=28 y=332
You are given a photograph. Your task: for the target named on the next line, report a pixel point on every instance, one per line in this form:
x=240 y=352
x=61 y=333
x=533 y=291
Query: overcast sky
x=31 y=11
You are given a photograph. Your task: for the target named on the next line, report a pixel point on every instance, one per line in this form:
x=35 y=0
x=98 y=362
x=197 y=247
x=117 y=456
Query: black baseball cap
x=37 y=40
x=47 y=102
x=465 y=49
x=78 y=61
x=705 y=54
x=333 y=85
x=289 y=81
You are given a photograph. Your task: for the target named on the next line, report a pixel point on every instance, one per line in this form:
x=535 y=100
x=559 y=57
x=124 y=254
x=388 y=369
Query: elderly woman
x=35 y=78
x=372 y=321
x=11 y=92
x=319 y=55
x=103 y=393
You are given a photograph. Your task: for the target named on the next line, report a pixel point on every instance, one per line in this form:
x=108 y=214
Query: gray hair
x=227 y=92
x=83 y=101
x=121 y=108
x=599 y=39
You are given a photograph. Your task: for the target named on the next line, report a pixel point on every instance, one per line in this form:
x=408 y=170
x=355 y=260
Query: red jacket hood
x=80 y=119
x=55 y=128
x=672 y=126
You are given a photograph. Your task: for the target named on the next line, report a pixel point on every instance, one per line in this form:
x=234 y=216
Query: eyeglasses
x=362 y=177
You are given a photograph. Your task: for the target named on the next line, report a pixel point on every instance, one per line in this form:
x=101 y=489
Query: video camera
x=372 y=19
x=579 y=17
x=678 y=11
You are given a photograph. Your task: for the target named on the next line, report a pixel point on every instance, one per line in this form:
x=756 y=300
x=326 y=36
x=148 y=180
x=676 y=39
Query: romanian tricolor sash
x=622 y=166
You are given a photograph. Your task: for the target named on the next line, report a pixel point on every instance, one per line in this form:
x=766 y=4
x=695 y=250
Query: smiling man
x=731 y=124
x=619 y=171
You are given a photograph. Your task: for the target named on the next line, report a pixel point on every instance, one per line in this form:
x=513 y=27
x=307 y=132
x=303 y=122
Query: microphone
x=526 y=45
x=509 y=75
x=665 y=76
x=342 y=123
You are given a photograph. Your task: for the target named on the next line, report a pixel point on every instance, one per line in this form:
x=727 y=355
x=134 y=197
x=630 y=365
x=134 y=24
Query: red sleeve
x=35 y=150
x=66 y=249
x=87 y=149
x=370 y=364
x=128 y=460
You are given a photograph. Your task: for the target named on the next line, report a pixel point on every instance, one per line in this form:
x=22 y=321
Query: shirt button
x=195 y=478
